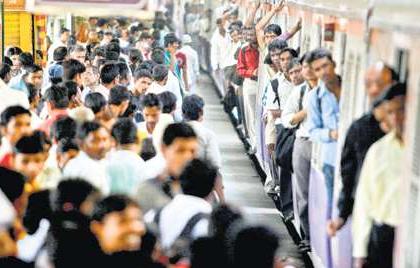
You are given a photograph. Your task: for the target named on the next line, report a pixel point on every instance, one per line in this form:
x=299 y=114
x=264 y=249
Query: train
x=358 y=33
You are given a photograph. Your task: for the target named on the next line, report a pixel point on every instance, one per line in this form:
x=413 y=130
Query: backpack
x=285 y=140
x=180 y=248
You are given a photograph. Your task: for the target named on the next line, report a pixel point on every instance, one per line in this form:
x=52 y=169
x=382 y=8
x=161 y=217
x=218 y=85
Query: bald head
x=378 y=78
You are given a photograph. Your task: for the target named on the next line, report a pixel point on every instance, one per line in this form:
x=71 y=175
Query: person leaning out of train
x=377 y=210
x=324 y=111
x=361 y=135
x=295 y=116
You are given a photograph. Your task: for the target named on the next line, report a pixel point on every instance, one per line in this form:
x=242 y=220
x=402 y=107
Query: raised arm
x=295 y=29
x=251 y=17
x=265 y=20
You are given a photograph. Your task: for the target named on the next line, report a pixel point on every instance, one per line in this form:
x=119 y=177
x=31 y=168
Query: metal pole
x=2 y=29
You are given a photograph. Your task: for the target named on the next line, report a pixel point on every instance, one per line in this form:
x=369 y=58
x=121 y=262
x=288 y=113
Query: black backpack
x=286 y=138
x=180 y=248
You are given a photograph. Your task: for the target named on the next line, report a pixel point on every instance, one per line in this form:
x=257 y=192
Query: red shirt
x=248 y=59
x=181 y=59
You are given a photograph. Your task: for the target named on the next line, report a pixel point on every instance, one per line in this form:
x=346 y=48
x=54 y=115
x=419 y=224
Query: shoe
x=288 y=217
x=270 y=187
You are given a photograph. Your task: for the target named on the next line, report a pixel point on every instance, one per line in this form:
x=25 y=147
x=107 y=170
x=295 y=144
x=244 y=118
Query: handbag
x=285 y=140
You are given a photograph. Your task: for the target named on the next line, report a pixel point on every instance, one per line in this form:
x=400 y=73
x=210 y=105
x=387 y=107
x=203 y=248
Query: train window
x=402 y=64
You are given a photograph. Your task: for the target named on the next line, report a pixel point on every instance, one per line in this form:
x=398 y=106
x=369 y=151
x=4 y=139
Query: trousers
x=381 y=246
x=250 y=99
x=301 y=161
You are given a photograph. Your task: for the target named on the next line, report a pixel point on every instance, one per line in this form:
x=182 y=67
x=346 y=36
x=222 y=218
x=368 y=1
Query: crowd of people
x=105 y=161
x=295 y=99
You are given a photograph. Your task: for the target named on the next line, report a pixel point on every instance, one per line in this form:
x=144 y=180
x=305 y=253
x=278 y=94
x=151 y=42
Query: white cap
x=186 y=39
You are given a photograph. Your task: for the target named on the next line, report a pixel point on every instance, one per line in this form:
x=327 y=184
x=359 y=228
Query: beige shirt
x=378 y=195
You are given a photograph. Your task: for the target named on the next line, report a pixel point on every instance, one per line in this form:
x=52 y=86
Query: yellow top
x=378 y=195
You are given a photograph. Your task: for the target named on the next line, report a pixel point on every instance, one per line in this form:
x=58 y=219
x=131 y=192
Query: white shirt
x=143 y=128
x=284 y=89
x=231 y=52
x=193 y=65
x=173 y=85
x=125 y=171
x=218 y=53
x=154 y=167
x=156 y=88
x=103 y=90
x=209 y=147
x=292 y=107
x=176 y=215
x=164 y=121
x=7 y=215
x=5 y=147
x=10 y=97
x=93 y=171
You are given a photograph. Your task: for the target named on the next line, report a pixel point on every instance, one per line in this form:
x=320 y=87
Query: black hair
x=140 y=73
x=177 y=130
x=151 y=100
x=12 y=183
x=99 y=51
x=63 y=128
x=5 y=69
x=33 y=69
x=31 y=144
x=12 y=111
x=221 y=218
x=26 y=59
x=71 y=68
x=113 y=46
x=57 y=96
x=319 y=53
x=110 y=204
x=147 y=65
x=33 y=92
x=268 y=60
x=198 y=178
x=60 y=54
x=86 y=128
x=192 y=107
x=294 y=62
x=168 y=100
x=7 y=61
x=291 y=51
x=254 y=246
x=38 y=208
x=144 y=36
x=394 y=75
x=160 y=72
x=118 y=95
x=13 y=51
x=124 y=70
x=169 y=39
x=95 y=101
x=124 y=131
x=273 y=28
x=158 y=56
x=111 y=55
x=109 y=73
x=65 y=145
x=277 y=44
x=304 y=58
x=64 y=30
x=135 y=55
x=148 y=150
x=71 y=87
x=71 y=191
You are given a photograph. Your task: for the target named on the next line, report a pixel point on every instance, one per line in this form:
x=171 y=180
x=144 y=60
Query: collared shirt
x=379 y=192
x=10 y=97
x=218 y=52
x=323 y=116
x=231 y=53
x=209 y=147
x=292 y=107
x=175 y=216
x=361 y=135
x=103 y=90
x=93 y=171
x=156 y=88
x=248 y=60
x=193 y=65
x=125 y=171
x=284 y=89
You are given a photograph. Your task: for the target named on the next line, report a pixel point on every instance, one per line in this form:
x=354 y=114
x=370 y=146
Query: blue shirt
x=323 y=116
